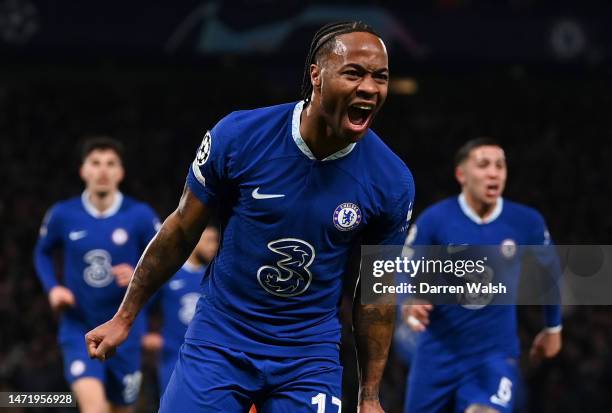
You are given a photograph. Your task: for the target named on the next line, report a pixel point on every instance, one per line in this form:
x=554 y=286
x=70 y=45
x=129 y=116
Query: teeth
x=364 y=107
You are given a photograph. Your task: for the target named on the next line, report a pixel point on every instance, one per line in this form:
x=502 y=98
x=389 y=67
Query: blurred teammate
x=299 y=185
x=178 y=298
x=101 y=234
x=465 y=359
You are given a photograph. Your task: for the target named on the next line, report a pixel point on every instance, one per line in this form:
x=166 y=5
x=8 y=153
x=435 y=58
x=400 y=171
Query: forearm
x=162 y=258
x=43 y=262
x=373 y=329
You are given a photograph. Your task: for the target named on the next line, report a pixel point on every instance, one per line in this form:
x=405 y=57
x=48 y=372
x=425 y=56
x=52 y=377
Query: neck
x=102 y=200
x=317 y=134
x=482 y=209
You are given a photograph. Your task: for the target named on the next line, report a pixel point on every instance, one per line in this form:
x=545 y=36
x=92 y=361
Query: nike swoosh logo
x=453 y=248
x=77 y=235
x=257 y=195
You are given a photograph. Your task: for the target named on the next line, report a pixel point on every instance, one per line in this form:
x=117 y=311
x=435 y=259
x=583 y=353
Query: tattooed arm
x=162 y=258
x=373 y=329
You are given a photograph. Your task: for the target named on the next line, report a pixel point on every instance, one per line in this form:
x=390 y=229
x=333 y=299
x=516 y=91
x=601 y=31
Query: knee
x=480 y=408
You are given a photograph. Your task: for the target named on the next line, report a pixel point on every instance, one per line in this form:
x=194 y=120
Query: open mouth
x=492 y=189
x=359 y=114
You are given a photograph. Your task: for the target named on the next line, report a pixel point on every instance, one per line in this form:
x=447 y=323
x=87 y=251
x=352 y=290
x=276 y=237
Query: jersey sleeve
x=212 y=168
x=547 y=257
x=149 y=225
x=422 y=232
x=49 y=238
x=391 y=227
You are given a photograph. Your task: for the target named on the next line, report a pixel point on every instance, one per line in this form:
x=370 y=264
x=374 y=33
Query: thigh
x=210 y=379
x=77 y=364
x=123 y=376
x=491 y=384
x=429 y=390
x=303 y=385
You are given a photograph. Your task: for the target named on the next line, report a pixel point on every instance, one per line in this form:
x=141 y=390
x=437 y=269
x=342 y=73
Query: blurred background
x=534 y=74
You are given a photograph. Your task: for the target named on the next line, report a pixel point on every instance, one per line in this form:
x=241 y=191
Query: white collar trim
x=93 y=211
x=302 y=146
x=471 y=214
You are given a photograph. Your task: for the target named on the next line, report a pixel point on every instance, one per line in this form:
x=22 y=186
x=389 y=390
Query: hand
x=416 y=315
x=61 y=298
x=123 y=274
x=152 y=342
x=103 y=340
x=545 y=345
x=370 y=406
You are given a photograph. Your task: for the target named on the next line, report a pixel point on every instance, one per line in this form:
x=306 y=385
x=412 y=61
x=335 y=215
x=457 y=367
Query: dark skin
x=373 y=329
x=354 y=72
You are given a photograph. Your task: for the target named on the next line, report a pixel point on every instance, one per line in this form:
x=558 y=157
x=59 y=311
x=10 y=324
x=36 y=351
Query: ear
x=460 y=175
x=315 y=77
x=82 y=172
x=122 y=174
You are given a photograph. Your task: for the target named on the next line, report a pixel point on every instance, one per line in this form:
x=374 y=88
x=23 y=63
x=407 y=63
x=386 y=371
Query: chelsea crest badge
x=347 y=216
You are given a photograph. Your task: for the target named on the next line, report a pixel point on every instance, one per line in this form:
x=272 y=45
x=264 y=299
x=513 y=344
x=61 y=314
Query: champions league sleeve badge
x=204 y=149
x=347 y=216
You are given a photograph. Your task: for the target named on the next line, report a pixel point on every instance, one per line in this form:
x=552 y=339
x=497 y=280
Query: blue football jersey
x=458 y=331
x=290 y=221
x=178 y=298
x=91 y=244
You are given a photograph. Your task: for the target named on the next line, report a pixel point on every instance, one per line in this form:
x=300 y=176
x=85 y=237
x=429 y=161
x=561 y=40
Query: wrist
x=125 y=317
x=368 y=392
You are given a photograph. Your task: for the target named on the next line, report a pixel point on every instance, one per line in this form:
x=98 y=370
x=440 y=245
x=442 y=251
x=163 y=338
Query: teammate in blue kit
x=101 y=234
x=297 y=185
x=465 y=359
x=178 y=298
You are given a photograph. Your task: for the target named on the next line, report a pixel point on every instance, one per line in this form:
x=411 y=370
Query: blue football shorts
x=452 y=388
x=120 y=374
x=210 y=378
x=166 y=367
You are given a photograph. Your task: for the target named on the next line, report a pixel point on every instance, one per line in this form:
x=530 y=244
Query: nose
x=492 y=171
x=368 y=87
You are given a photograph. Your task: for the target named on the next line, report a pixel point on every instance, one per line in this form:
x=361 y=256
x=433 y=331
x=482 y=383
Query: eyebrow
x=485 y=158
x=360 y=67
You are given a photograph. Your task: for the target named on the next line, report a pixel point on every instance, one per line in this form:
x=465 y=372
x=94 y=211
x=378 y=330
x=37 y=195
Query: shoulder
x=384 y=167
x=59 y=213
x=65 y=207
x=524 y=213
x=134 y=206
x=440 y=209
x=246 y=131
x=376 y=150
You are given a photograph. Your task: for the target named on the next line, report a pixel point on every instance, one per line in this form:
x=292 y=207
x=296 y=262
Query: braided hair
x=323 y=37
